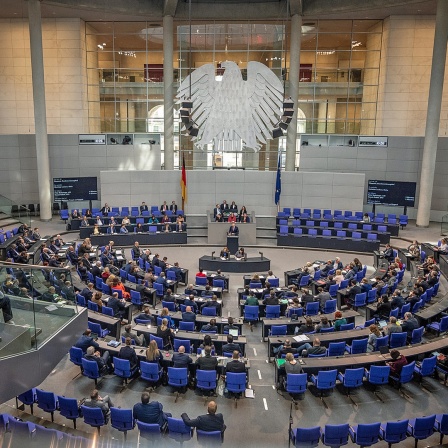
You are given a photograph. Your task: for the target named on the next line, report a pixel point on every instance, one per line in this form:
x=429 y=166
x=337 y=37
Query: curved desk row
x=145 y=239
x=87 y=232
x=252 y=264
x=334 y=243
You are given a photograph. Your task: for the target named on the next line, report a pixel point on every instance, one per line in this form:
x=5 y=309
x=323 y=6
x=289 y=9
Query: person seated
x=291 y=365
x=217 y=213
x=383 y=307
x=146 y=315
x=143 y=207
x=173 y=207
x=207 y=362
x=96 y=401
x=126 y=221
x=324 y=323
x=189 y=301
x=139 y=228
x=188 y=315
x=207 y=292
x=117 y=305
x=388 y=253
x=201 y=273
x=295 y=305
x=338 y=320
x=397 y=363
x=272 y=299
x=164 y=332
x=231 y=346
x=240 y=254
x=169 y=297
x=409 y=324
x=326 y=268
x=235 y=366
x=162 y=280
x=232 y=218
x=233 y=207
x=392 y=326
x=165 y=314
x=118 y=285
x=153 y=354
x=316 y=349
x=211 y=326
x=244 y=219
x=103 y=361
x=127 y=333
x=323 y=297
x=128 y=353
x=251 y=299
x=180 y=226
x=150 y=412
x=123 y=229
x=181 y=359
x=105 y=210
x=166 y=221
x=229 y=326
x=213 y=304
x=285 y=348
x=86 y=340
x=397 y=300
x=225 y=253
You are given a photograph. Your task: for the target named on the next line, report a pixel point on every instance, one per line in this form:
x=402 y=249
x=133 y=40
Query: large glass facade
x=338 y=84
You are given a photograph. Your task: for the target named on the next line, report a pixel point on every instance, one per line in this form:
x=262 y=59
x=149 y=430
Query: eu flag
x=278 y=183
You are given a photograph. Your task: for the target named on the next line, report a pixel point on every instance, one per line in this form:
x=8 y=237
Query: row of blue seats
x=299 y=231
x=332 y=225
x=129 y=211
x=419 y=428
x=120 y=419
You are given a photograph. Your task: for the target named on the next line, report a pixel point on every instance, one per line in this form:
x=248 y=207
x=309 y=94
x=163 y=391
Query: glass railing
x=444 y=225
x=11 y=209
x=35 y=301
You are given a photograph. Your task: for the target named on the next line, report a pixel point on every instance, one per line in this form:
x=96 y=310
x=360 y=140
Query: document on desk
x=249 y=393
x=301 y=338
x=214 y=289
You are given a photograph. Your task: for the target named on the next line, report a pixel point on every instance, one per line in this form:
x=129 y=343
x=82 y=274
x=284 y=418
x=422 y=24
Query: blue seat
x=236 y=383
x=29 y=397
x=96 y=328
x=312 y=232
x=441 y=425
x=439 y=327
x=336 y=348
x=417 y=306
x=68 y=408
x=371 y=296
x=297 y=311
x=251 y=313
x=341 y=234
x=365 y=434
x=150 y=371
x=426 y=368
x=283 y=230
x=47 y=401
x=182 y=342
x=106 y=289
x=171 y=306
x=178 y=378
x=405 y=376
x=421 y=428
x=377 y=376
x=351 y=378
x=338 y=225
x=279 y=330
x=218 y=283
x=297 y=231
x=335 y=435
x=304 y=281
x=136 y=298
x=93 y=416
x=417 y=335
x=122 y=420
x=118 y=291
x=160 y=290
x=255 y=285
x=326 y=233
x=107 y=310
x=186 y=326
x=343 y=284
x=64 y=215
x=209 y=311
x=132 y=278
x=325 y=380
x=20 y=430
x=333 y=290
x=382 y=342
x=309 y=437
x=272 y=311
x=394 y=432
x=159 y=341
x=358 y=346
x=345 y=327
x=75 y=355
x=296 y=383
x=92 y=306
x=149 y=431
x=403 y=221
x=90 y=370
x=327 y=330
x=397 y=340
x=206 y=380
x=178 y=430
x=209 y=438
x=395 y=311
x=42 y=436
x=360 y=300
x=312 y=309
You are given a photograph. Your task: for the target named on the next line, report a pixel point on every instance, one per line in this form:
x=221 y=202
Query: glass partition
x=21 y=212
x=35 y=301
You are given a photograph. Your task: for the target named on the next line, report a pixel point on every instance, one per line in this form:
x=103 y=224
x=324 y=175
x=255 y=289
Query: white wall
x=254 y=189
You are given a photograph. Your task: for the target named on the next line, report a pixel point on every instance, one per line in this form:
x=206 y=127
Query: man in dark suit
x=146 y=315
x=88 y=291
x=162 y=280
x=181 y=359
x=188 y=315
x=233 y=230
x=224 y=206
x=162 y=263
x=151 y=413
x=164 y=207
x=213 y=304
x=388 y=253
x=127 y=352
x=86 y=341
x=177 y=270
x=173 y=207
x=211 y=326
x=235 y=366
x=217 y=213
x=117 y=305
x=105 y=210
x=209 y=422
x=104 y=403
x=353 y=290
x=189 y=302
x=230 y=325
x=143 y=207
x=231 y=346
x=207 y=362
x=102 y=360
x=96 y=269
x=328 y=266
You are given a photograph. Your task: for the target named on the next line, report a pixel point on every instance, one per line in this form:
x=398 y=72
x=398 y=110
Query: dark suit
x=231 y=347
x=161 y=280
x=234 y=231
x=150 y=413
x=235 y=366
x=177 y=271
x=181 y=360
x=96 y=271
x=143 y=208
x=128 y=353
x=173 y=208
x=84 y=342
x=117 y=305
x=225 y=207
x=87 y=293
x=207 y=363
x=188 y=317
x=206 y=422
x=164 y=208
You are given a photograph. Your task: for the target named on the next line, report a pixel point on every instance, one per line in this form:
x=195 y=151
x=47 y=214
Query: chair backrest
x=279 y=330
x=304 y=280
x=330 y=305
x=185 y=342
x=209 y=311
x=178 y=430
x=367 y=434
x=417 y=335
x=359 y=346
x=68 y=407
x=159 y=289
x=333 y=290
x=136 y=298
x=92 y=306
x=298 y=231
x=379 y=374
x=121 y=419
x=296 y=311
x=209 y=438
x=394 y=312
x=107 y=310
x=395 y=432
x=274 y=282
x=352 y=226
x=312 y=308
x=251 y=312
x=397 y=340
x=177 y=377
x=336 y=348
x=255 y=285
x=407 y=372
x=150 y=371
x=90 y=369
x=236 y=382
x=202 y=281
x=306 y=436
x=327 y=330
x=206 y=379
x=443 y=324
x=186 y=326
x=272 y=311
x=122 y=367
x=326 y=379
x=93 y=416
x=428 y=366
x=353 y=377
x=283 y=230
x=296 y=382
x=151 y=431
x=343 y=284
x=345 y=327
x=424 y=426
x=158 y=340
x=81 y=300
x=335 y=435
x=341 y=233
x=76 y=356
x=417 y=306
x=338 y=225
x=382 y=342
x=170 y=305
x=218 y=283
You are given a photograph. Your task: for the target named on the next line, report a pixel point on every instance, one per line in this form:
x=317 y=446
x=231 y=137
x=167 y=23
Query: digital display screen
x=75 y=189
x=390 y=192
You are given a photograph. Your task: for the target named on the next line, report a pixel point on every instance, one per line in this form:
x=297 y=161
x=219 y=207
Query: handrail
x=35 y=266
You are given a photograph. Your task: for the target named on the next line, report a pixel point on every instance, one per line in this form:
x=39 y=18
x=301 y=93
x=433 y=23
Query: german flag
x=183 y=181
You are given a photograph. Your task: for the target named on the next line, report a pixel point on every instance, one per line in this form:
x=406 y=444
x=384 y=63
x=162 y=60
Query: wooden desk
x=430 y=313
x=194 y=337
x=180 y=299
x=211 y=276
x=129 y=286
x=262 y=307
x=111 y=323
x=291 y=324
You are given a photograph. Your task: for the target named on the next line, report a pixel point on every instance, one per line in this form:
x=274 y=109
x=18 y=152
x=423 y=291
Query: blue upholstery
x=365 y=434
x=150 y=371
x=68 y=408
x=178 y=430
x=308 y=437
x=90 y=369
x=335 y=435
x=358 y=346
x=394 y=432
x=93 y=416
x=122 y=420
x=296 y=383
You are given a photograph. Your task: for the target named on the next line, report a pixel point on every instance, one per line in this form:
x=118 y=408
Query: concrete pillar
x=433 y=114
x=294 y=69
x=168 y=101
x=322 y=117
x=331 y=117
x=40 y=112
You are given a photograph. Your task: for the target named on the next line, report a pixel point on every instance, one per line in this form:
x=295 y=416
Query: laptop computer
x=382 y=324
x=234 y=332
x=384 y=350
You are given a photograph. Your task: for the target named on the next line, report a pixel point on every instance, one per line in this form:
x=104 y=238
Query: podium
x=232 y=244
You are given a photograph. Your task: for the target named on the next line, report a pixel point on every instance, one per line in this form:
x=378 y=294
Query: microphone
x=261 y=253
x=213 y=253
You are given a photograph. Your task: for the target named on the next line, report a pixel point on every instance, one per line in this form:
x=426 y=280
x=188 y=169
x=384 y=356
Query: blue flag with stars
x=278 y=183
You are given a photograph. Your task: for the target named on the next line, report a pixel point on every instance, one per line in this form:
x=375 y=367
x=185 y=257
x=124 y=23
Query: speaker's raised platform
x=128 y=239
x=254 y=264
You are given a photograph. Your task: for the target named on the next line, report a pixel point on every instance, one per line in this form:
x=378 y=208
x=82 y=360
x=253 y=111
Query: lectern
x=232 y=243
